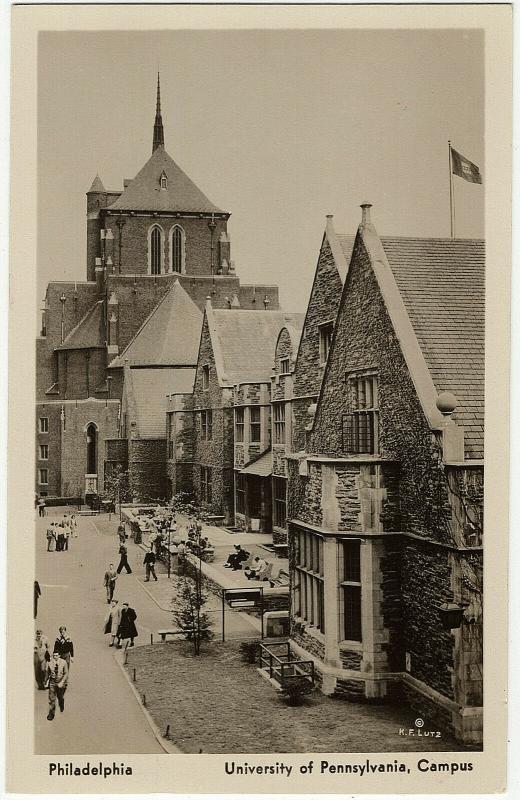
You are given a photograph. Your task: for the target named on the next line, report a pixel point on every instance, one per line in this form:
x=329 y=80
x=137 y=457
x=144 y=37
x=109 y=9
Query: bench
x=215 y=519
x=166 y=632
x=89 y=513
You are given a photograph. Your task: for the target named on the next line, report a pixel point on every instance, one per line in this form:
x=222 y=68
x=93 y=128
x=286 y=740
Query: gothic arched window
x=177 y=249
x=156 y=250
x=91 y=449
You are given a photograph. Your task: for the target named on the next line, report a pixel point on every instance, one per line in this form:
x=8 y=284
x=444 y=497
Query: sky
x=280 y=128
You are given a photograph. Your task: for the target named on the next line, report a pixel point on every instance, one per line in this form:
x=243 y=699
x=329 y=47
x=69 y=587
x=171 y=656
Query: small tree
x=188 y=612
x=117 y=486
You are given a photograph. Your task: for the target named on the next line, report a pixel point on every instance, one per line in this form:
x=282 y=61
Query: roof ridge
x=80 y=323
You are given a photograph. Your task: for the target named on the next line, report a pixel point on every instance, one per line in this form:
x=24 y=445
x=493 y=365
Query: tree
x=188 y=612
x=117 y=485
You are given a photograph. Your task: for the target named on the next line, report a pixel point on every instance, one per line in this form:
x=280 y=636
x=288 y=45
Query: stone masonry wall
x=425 y=585
x=74 y=447
x=147 y=468
x=322 y=308
x=51 y=412
x=365 y=339
x=218 y=453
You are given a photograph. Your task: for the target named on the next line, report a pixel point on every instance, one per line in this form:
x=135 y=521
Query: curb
x=150 y=595
x=166 y=745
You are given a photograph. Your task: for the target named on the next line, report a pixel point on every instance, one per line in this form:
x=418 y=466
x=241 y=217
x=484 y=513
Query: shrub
x=295 y=690
x=250 y=651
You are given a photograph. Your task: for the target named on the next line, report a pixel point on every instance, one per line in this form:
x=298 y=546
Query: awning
x=263 y=466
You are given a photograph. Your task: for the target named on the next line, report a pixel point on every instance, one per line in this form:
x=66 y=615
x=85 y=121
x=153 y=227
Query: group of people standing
x=52 y=673
x=59 y=533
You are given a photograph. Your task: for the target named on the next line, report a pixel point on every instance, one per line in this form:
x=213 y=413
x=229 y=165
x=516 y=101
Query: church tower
x=159 y=230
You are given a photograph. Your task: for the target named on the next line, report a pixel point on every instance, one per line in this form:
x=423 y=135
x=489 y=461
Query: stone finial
x=446 y=403
x=365 y=213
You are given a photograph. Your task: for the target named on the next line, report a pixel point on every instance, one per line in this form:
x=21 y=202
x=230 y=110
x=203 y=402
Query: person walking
x=64 y=646
x=66 y=536
x=41 y=507
x=112 y=621
x=41 y=659
x=36 y=594
x=73 y=525
x=149 y=563
x=110 y=582
x=127 y=629
x=121 y=532
x=58 y=676
x=123 y=562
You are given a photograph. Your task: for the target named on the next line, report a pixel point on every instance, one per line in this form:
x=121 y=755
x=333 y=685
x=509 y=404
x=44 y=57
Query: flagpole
x=452 y=197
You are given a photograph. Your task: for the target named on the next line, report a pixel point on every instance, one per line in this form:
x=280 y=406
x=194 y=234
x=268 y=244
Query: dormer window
x=163 y=180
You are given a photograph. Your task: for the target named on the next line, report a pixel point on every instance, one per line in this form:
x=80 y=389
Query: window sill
x=310 y=628
x=348 y=644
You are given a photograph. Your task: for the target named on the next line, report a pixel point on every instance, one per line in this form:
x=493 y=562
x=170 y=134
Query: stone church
x=156 y=251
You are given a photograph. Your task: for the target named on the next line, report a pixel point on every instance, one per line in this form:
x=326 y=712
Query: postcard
x=259 y=399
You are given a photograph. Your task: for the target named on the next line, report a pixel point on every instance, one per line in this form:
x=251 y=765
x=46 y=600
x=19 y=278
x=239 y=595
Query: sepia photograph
x=259 y=400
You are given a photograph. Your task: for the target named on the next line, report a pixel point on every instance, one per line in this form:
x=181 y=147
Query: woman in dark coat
x=127 y=629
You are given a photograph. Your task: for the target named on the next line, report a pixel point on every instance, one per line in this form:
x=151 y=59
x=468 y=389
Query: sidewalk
x=224 y=542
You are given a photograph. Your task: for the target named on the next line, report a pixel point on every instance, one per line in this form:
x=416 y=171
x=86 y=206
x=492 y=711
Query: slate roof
x=150 y=387
x=169 y=336
x=262 y=465
x=442 y=283
x=247 y=341
x=144 y=193
x=97 y=185
x=89 y=332
x=347 y=246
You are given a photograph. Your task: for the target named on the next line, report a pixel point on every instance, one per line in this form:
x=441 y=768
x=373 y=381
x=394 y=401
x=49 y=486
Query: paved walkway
x=101 y=714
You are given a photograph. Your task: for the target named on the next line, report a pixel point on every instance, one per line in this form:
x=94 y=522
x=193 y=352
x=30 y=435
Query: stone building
x=158 y=230
x=282 y=393
x=231 y=412
x=385 y=505
x=314 y=344
x=159 y=361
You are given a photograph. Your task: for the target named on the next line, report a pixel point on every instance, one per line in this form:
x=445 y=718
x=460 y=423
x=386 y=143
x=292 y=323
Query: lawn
x=215 y=703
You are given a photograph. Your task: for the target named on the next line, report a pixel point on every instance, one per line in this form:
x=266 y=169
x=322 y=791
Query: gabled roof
x=261 y=465
x=169 y=336
x=149 y=388
x=244 y=342
x=144 y=193
x=442 y=284
x=89 y=332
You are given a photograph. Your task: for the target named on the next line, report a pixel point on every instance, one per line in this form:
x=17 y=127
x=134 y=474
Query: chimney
x=365 y=213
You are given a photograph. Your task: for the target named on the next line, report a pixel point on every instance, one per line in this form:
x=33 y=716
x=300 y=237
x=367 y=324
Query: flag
x=464 y=168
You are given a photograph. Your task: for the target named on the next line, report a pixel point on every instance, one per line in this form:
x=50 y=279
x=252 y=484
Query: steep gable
x=179 y=193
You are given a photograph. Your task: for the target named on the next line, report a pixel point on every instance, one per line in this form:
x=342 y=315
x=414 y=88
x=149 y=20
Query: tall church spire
x=158 y=133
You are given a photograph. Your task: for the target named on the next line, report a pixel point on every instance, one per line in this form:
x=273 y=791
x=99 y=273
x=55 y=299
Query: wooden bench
x=89 y=513
x=167 y=632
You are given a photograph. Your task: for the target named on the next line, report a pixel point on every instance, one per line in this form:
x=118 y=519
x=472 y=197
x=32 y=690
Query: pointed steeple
x=158 y=133
x=97 y=185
